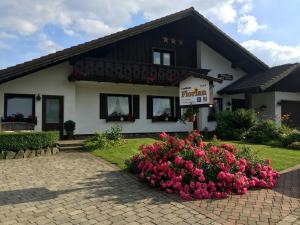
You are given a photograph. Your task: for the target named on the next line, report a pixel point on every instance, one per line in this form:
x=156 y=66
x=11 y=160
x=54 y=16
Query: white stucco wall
x=264 y=104
x=50 y=81
x=88 y=106
x=270 y=100
x=207 y=58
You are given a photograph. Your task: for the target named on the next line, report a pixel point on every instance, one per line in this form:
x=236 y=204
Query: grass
x=119 y=154
x=281 y=158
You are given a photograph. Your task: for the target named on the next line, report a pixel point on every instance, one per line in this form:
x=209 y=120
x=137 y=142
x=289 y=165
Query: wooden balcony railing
x=103 y=70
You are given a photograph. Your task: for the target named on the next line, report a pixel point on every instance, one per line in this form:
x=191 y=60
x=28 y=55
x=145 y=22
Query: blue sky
x=32 y=28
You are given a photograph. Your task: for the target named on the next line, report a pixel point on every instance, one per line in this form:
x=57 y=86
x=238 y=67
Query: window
x=163 y=108
x=162 y=57
x=115 y=107
x=216 y=108
x=19 y=107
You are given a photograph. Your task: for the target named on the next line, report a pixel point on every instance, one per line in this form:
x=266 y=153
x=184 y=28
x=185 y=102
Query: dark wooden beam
x=240 y=64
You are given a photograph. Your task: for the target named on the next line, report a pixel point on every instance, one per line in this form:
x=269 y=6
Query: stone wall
x=28 y=153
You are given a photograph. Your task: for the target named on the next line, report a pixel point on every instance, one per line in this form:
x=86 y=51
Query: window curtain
x=161 y=106
x=117 y=106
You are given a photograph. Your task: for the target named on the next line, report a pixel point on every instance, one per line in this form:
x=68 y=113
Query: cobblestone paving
x=78 y=188
x=278 y=206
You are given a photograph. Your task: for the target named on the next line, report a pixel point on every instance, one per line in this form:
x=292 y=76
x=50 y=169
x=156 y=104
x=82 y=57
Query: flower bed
x=198 y=171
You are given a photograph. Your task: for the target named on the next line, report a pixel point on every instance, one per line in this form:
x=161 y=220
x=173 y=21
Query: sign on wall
x=195 y=91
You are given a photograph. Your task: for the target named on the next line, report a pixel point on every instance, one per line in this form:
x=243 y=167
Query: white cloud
x=96 y=27
x=20 y=26
x=272 y=52
x=246 y=8
x=224 y=11
x=47 y=45
x=26 y=17
x=248 y=25
x=5 y=35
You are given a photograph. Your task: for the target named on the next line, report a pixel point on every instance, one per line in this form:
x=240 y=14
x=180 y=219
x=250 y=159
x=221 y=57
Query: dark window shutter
x=172 y=106
x=136 y=106
x=177 y=108
x=149 y=107
x=103 y=106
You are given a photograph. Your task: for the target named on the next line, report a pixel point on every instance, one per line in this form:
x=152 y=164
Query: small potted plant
x=69 y=127
x=189 y=114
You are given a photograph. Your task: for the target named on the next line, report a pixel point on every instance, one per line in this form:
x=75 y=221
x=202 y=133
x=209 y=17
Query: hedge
x=31 y=140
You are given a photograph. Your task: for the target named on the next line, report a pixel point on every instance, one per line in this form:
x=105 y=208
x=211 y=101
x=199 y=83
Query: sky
x=33 y=28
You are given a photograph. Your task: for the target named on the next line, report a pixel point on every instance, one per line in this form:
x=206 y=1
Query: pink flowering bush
x=195 y=170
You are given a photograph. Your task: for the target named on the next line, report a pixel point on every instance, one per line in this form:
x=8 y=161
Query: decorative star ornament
x=166 y=39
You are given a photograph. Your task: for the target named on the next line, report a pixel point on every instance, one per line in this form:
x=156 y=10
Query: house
x=130 y=78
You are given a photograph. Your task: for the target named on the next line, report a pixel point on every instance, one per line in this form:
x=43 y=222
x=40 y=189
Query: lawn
x=281 y=158
x=118 y=155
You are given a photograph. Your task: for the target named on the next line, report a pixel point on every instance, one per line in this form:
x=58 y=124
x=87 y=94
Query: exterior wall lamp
x=228 y=103
x=262 y=107
x=38 y=97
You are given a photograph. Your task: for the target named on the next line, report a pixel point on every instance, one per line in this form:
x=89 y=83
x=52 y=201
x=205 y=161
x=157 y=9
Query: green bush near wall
x=31 y=140
x=234 y=125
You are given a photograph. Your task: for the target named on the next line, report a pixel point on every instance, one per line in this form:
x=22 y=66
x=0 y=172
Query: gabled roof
x=64 y=55
x=260 y=81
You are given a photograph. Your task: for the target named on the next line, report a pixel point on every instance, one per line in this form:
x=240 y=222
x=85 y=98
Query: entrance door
x=53 y=113
x=291 y=108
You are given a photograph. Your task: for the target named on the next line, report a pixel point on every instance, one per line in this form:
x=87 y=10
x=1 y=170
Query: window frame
x=134 y=108
x=162 y=51
x=212 y=118
x=7 y=96
x=117 y=118
x=174 y=115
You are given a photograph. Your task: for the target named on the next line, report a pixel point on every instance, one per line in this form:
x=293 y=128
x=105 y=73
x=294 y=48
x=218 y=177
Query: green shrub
x=262 y=132
x=294 y=145
x=233 y=125
x=27 y=140
x=114 y=133
x=106 y=140
x=287 y=138
x=99 y=141
x=249 y=154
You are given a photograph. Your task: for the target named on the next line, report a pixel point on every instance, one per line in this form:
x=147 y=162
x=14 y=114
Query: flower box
x=120 y=119
x=16 y=118
x=164 y=119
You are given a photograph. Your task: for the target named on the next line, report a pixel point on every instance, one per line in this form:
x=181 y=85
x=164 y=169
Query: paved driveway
x=78 y=188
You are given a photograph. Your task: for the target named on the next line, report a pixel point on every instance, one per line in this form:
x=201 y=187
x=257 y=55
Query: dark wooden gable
x=173 y=37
